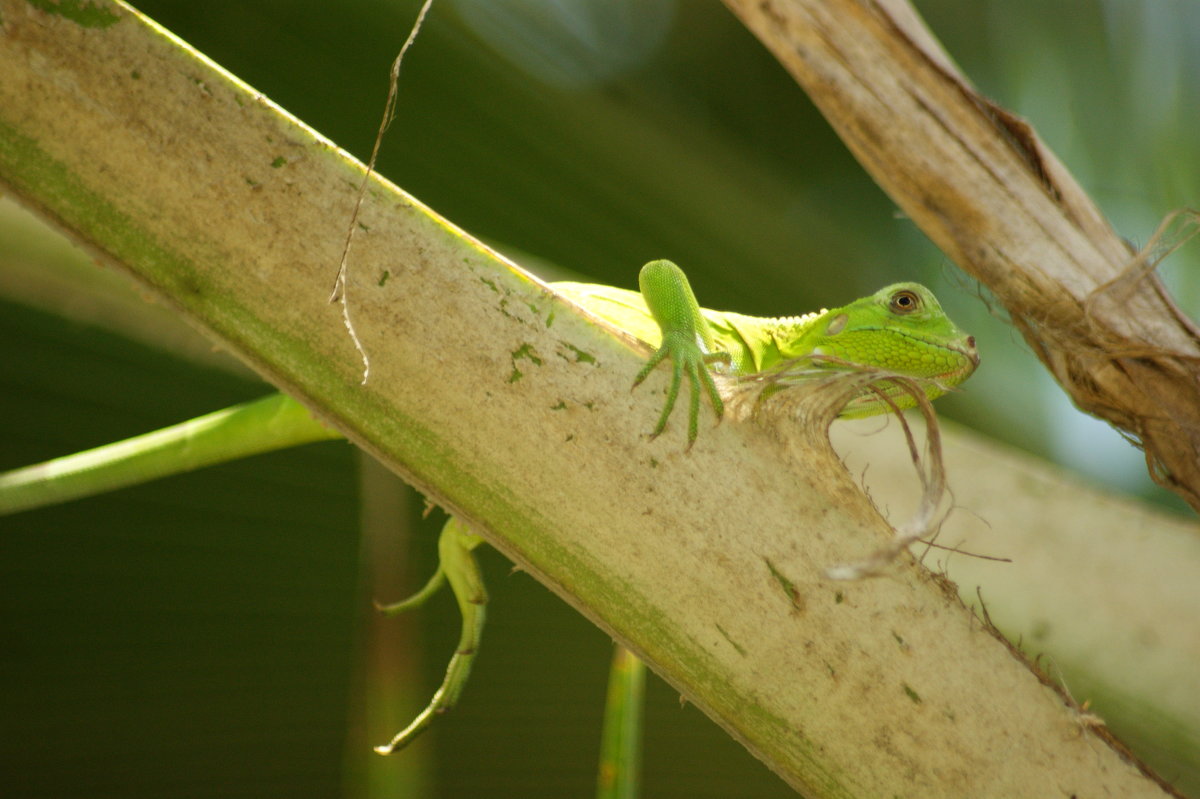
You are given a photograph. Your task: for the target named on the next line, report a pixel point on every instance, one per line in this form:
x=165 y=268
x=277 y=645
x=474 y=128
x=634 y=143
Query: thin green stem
x=621 y=741
x=263 y=425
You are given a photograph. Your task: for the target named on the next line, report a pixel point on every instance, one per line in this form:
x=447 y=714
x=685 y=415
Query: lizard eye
x=904 y=302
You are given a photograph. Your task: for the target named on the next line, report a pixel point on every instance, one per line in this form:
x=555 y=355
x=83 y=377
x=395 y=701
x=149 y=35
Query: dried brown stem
x=983 y=186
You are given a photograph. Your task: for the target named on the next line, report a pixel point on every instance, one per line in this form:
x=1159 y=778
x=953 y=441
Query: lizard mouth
x=964 y=347
x=969 y=351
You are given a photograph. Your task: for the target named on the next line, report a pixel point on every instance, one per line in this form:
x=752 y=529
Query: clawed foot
x=686 y=359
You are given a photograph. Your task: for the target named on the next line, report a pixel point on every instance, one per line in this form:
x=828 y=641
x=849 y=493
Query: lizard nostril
x=971 y=341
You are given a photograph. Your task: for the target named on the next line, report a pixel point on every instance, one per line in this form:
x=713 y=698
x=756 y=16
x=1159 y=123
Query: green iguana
x=901 y=328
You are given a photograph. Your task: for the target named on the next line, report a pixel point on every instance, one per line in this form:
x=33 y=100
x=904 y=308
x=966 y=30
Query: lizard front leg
x=686 y=338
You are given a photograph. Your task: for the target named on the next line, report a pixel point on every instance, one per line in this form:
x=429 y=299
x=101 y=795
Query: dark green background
x=205 y=635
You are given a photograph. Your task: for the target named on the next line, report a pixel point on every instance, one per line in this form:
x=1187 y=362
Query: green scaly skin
x=456 y=564
x=900 y=328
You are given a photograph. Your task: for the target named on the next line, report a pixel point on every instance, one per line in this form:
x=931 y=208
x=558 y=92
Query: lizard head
x=903 y=329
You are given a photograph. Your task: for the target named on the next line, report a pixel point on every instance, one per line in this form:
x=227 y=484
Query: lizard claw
x=686 y=359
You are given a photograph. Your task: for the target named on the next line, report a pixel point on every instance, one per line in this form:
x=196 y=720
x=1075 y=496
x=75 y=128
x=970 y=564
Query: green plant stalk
x=619 y=776
x=272 y=423
x=227 y=209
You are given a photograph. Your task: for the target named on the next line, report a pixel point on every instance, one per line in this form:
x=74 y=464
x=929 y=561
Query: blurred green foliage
x=200 y=636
